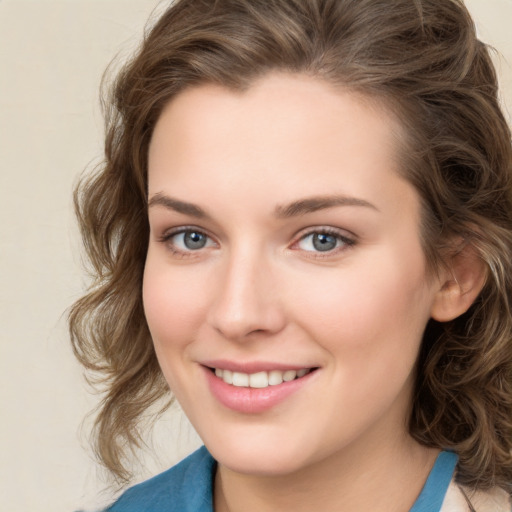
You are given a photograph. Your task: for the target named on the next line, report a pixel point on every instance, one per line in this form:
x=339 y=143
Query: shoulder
x=462 y=499
x=184 y=487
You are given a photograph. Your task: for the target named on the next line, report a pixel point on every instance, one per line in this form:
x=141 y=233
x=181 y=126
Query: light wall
x=52 y=54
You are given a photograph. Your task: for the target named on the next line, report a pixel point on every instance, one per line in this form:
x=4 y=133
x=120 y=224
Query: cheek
x=370 y=320
x=174 y=307
x=174 y=301
x=375 y=304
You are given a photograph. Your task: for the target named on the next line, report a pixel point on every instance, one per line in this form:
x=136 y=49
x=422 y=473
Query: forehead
x=295 y=95
x=281 y=104
x=292 y=133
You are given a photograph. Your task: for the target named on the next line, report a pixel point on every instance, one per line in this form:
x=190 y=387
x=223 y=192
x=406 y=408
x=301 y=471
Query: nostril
x=256 y=331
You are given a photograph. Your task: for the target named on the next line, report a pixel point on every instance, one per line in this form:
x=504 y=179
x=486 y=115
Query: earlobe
x=460 y=284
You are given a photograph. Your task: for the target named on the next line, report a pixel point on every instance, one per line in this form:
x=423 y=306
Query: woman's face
x=284 y=245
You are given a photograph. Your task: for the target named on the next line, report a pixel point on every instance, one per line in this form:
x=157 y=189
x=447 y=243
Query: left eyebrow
x=313 y=204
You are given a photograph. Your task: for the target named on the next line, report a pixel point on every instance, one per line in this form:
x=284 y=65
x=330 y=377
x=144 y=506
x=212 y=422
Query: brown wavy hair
x=423 y=61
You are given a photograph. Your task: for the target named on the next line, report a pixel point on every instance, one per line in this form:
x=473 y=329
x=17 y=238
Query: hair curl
x=420 y=58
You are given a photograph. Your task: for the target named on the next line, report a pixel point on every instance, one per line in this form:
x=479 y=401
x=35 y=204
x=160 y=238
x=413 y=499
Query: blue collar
x=433 y=492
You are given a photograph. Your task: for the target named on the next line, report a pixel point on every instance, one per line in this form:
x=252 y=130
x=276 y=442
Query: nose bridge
x=246 y=301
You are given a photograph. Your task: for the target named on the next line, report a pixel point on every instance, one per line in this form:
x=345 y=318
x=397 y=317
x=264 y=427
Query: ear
x=461 y=280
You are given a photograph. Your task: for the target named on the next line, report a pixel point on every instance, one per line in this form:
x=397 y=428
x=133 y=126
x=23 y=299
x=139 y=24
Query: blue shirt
x=188 y=487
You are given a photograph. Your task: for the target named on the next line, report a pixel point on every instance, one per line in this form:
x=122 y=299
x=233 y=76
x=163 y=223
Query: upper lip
x=253 y=366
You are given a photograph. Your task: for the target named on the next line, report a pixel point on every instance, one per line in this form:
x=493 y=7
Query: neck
x=381 y=476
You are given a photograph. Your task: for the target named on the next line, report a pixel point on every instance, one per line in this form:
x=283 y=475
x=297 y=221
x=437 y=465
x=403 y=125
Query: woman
x=303 y=229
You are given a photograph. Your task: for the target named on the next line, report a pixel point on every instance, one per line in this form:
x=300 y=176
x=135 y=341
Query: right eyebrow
x=176 y=205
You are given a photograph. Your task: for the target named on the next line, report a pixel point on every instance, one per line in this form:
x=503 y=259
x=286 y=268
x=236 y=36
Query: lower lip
x=253 y=400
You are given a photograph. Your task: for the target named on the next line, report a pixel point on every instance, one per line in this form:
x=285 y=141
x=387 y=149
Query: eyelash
x=344 y=241
x=168 y=236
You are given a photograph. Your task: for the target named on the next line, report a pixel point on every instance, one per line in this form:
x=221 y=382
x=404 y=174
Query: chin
x=245 y=455
x=248 y=464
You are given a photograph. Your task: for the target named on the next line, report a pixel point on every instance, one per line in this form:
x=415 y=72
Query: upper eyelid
x=301 y=232
x=167 y=233
x=342 y=233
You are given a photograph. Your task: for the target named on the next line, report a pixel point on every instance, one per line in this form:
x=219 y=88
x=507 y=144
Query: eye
x=188 y=240
x=323 y=241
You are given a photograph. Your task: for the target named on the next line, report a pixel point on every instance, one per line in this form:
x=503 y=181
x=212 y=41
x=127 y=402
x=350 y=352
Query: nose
x=247 y=298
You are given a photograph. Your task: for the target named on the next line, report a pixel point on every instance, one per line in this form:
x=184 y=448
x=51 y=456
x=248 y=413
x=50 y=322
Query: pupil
x=323 y=242
x=194 y=240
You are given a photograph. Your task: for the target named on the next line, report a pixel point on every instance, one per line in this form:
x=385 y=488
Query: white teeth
x=240 y=379
x=289 y=375
x=275 y=377
x=259 y=379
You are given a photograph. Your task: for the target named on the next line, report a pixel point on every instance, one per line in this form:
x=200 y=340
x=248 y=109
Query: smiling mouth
x=260 y=380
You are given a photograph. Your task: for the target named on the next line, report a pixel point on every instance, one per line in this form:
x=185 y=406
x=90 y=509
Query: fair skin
x=283 y=238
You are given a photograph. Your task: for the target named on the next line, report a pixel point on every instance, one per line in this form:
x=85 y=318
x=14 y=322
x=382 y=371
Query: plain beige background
x=52 y=54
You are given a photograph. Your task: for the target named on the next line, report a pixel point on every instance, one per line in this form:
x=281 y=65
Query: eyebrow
x=170 y=203
x=313 y=204
x=294 y=209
